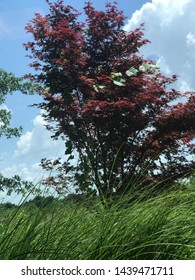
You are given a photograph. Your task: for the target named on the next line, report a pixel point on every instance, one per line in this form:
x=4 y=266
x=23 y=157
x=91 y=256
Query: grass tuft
x=159 y=228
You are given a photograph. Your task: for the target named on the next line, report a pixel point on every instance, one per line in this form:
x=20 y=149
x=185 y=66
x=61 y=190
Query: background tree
x=9 y=83
x=109 y=104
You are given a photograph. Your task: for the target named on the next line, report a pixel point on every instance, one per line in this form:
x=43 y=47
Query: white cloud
x=38 y=142
x=31 y=173
x=166 y=11
x=4 y=107
x=31 y=147
x=24 y=144
x=163 y=65
x=190 y=39
x=170 y=26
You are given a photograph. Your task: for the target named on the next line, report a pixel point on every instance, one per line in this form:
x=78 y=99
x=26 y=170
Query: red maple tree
x=109 y=104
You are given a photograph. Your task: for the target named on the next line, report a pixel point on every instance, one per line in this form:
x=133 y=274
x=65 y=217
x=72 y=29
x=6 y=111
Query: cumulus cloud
x=170 y=26
x=38 y=143
x=190 y=39
x=31 y=173
x=31 y=147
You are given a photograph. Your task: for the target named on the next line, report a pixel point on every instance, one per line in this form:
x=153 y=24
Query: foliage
x=15 y=183
x=107 y=102
x=9 y=83
x=40 y=201
x=160 y=228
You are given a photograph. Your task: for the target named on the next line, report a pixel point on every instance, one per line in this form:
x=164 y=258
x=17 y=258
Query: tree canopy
x=109 y=103
x=9 y=84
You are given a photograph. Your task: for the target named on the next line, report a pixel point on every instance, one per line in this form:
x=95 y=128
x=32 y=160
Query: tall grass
x=162 y=227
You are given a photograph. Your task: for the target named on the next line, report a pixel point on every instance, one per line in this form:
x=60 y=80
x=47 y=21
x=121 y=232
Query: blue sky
x=169 y=25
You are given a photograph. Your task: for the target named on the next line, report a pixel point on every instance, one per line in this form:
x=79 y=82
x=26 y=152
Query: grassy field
x=157 y=228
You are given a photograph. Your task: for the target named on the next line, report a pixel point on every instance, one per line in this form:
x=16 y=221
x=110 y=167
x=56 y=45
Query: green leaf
x=155 y=67
x=120 y=83
x=96 y=88
x=144 y=67
x=70 y=157
x=68 y=148
x=46 y=90
x=114 y=75
x=131 y=72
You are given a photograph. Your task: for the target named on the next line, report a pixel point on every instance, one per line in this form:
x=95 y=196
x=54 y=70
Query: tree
x=107 y=102
x=9 y=83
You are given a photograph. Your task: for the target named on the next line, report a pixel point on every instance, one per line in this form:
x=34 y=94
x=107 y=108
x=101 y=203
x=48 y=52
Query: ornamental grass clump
x=161 y=227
